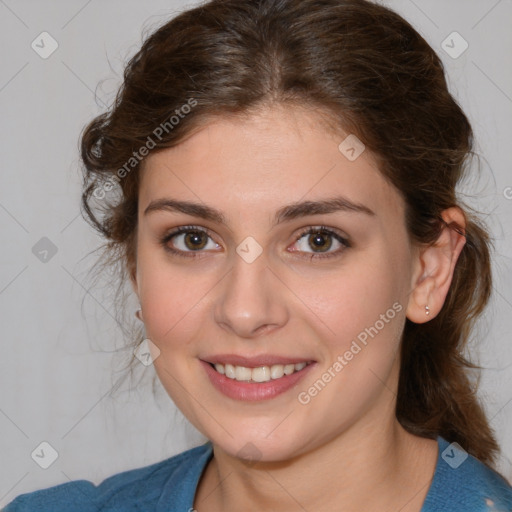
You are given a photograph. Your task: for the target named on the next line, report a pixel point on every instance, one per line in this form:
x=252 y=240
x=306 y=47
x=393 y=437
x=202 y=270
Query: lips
x=255 y=378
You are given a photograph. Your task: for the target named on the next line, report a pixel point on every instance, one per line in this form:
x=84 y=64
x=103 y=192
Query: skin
x=285 y=303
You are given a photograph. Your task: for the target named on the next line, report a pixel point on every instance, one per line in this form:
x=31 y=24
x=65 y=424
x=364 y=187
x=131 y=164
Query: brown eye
x=318 y=240
x=187 y=240
x=321 y=241
x=195 y=240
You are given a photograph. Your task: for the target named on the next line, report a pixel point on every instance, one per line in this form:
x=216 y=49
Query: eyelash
x=312 y=230
x=326 y=231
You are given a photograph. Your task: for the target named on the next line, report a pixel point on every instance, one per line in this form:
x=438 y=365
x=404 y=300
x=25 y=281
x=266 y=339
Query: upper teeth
x=260 y=374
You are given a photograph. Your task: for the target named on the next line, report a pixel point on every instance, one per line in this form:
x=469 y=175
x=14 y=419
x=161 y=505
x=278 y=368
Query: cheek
x=365 y=319
x=349 y=302
x=171 y=296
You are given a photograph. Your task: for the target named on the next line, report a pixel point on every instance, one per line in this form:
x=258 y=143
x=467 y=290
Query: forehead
x=265 y=160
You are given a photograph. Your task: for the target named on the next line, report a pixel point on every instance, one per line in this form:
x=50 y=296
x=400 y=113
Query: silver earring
x=427 y=310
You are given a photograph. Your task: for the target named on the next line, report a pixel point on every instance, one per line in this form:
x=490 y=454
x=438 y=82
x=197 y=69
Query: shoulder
x=136 y=489
x=461 y=482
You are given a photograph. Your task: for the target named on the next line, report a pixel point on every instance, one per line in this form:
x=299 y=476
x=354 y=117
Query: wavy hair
x=375 y=76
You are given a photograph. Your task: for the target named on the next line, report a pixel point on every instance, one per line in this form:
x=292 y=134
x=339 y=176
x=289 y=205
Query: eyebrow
x=286 y=213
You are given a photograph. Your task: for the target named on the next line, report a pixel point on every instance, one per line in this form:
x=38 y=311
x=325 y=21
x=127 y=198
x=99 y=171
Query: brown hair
x=379 y=79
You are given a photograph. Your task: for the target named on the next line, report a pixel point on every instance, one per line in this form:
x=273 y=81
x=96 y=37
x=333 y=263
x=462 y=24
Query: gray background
x=58 y=363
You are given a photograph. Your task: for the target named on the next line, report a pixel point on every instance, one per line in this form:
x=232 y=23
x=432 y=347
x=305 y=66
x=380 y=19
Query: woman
x=279 y=180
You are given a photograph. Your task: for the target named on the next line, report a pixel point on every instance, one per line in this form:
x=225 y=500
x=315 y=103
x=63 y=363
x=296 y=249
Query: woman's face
x=249 y=289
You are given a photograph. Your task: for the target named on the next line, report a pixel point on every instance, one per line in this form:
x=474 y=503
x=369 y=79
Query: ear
x=434 y=268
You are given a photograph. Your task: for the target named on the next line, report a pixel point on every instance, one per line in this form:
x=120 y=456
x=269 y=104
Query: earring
x=427 y=310
x=138 y=314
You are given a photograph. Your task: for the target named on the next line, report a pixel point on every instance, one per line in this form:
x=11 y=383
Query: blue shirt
x=461 y=483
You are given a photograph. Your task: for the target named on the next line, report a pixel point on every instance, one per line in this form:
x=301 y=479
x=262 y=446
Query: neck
x=371 y=466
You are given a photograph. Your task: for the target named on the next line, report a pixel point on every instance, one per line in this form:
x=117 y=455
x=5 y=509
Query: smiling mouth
x=260 y=373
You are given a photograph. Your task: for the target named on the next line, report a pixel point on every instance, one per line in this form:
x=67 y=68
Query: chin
x=259 y=446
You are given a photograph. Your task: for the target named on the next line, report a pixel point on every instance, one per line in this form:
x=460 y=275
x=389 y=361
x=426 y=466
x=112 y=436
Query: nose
x=252 y=299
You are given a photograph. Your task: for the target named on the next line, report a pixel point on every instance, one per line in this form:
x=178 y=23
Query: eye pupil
x=319 y=241
x=193 y=240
